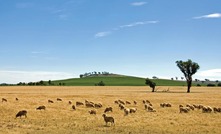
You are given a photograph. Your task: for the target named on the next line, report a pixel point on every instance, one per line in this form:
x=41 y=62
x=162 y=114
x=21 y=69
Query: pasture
x=60 y=118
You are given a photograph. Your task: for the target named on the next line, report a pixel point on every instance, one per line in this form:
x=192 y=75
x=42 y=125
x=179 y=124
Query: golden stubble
x=60 y=118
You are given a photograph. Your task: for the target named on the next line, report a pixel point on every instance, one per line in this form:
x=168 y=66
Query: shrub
x=211 y=85
x=101 y=83
x=198 y=85
x=219 y=84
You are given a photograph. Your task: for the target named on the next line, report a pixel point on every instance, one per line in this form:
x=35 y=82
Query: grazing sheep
x=69 y=102
x=97 y=105
x=92 y=111
x=121 y=106
x=180 y=106
x=165 y=105
x=89 y=105
x=144 y=101
x=116 y=102
x=207 y=109
x=133 y=110
x=50 y=101
x=41 y=108
x=126 y=111
x=21 y=113
x=190 y=106
x=4 y=100
x=135 y=102
x=79 y=103
x=120 y=101
x=73 y=107
x=149 y=108
x=108 y=109
x=215 y=109
x=183 y=110
x=108 y=119
x=16 y=99
x=128 y=103
x=147 y=101
x=58 y=99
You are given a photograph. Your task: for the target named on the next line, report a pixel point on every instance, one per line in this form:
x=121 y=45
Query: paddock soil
x=60 y=118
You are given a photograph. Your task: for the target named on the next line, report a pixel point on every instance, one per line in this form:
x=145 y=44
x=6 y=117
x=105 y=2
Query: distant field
x=117 y=81
x=60 y=118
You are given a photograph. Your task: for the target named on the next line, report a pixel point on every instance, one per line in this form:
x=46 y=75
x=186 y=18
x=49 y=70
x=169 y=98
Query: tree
x=150 y=83
x=188 y=68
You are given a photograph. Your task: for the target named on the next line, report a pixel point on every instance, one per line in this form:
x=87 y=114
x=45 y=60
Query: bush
x=198 y=85
x=101 y=83
x=219 y=84
x=211 y=85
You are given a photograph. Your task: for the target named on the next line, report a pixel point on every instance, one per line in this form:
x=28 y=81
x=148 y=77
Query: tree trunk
x=153 y=89
x=189 y=83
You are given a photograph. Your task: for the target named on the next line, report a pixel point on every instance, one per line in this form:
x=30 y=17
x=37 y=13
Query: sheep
x=128 y=103
x=133 y=110
x=69 y=102
x=16 y=99
x=50 y=101
x=116 y=102
x=73 y=107
x=144 y=101
x=108 y=109
x=190 y=106
x=79 y=103
x=165 y=105
x=215 y=109
x=147 y=101
x=180 y=106
x=97 y=105
x=126 y=111
x=149 y=108
x=89 y=105
x=207 y=109
x=120 y=101
x=135 y=102
x=121 y=106
x=183 y=110
x=108 y=119
x=92 y=111
x=58 y=99
x=21 y=113
x=41 y=108
x=4 y=100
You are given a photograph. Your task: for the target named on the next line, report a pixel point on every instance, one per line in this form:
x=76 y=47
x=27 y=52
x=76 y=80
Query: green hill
x=116 y=80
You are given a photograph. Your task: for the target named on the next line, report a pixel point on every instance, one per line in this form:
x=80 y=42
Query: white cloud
x=138 y=3
x=209 y=16
x=138 y=23
x=14 y=77
x=102 y=34
x=212 y=74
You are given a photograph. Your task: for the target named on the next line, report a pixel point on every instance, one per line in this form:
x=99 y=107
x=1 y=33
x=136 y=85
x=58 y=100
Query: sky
x=60 y=39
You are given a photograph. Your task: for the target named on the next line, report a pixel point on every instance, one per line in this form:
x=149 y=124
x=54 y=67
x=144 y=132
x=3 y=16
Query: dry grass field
x=59 y=118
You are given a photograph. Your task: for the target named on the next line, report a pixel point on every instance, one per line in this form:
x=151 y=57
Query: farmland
x=60 y=118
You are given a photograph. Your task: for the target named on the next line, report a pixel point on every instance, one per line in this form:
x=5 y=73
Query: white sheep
x=133 y=110
x=126 y=111
x=183 y=110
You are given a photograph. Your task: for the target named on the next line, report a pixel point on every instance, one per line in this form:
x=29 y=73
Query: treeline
x=41 y=83
x=94 y=73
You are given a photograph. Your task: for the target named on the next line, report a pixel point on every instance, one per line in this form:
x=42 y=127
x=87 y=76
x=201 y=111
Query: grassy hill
x=116 y=80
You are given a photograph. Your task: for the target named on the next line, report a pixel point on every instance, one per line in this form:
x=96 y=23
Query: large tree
x=150 y=83
x=188 y=68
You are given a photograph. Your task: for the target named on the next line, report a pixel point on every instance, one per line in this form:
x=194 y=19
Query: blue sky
x=56 y=39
